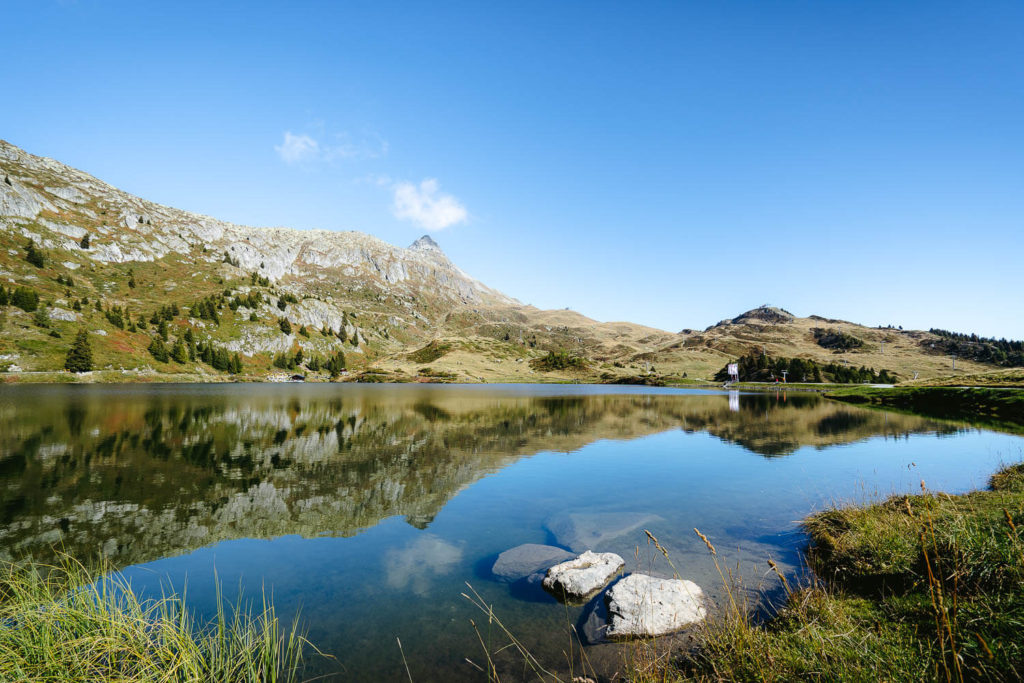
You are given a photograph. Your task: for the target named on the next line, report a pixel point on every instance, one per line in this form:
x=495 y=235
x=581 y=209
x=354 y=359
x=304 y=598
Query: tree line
x=1008 y=353
x=758 y=367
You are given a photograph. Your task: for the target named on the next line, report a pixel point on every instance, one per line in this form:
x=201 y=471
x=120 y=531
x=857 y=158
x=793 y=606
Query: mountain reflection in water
x=139 y=473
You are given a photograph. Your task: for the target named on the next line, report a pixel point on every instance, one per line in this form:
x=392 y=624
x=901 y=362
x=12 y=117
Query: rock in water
x=523 y=560
x=587 y=530
x=641 y=606
x=583 y=576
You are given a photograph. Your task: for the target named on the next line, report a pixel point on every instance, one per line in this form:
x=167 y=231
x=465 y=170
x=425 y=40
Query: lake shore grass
x=68 y=623
x=922 y=587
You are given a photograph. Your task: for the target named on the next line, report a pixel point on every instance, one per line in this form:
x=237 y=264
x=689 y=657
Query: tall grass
x=64 y=622
x=926 y=587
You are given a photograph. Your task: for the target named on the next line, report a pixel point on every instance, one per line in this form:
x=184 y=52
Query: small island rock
x=583 y=576
x=642 y=606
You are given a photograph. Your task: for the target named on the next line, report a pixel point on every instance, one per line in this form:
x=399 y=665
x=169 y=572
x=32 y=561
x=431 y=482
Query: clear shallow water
x=370 y=507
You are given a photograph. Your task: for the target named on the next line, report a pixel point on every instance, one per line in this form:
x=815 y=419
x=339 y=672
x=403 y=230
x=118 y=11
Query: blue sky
x=667 y=163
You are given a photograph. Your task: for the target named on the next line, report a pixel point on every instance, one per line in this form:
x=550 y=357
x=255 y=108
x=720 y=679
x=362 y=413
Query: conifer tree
x=178 y=352
x=158 y=349
x=34 y=255
x=79 y=358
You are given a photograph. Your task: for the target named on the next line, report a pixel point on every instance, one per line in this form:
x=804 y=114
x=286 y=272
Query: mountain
x=127 y=270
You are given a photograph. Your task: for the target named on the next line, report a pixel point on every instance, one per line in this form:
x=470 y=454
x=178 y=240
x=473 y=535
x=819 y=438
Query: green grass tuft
x=66 y=623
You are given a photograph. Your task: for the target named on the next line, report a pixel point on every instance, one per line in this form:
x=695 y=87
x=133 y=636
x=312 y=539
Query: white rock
x=643 y=606
x=63 y=314
x=583 y=576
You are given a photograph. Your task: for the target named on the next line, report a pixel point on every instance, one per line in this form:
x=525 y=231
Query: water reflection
x=141 y=473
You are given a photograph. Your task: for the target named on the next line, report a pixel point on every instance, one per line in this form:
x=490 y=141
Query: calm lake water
x=369 y=507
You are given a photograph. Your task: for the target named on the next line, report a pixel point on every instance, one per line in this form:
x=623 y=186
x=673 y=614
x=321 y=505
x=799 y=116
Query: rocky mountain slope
x=127 y=271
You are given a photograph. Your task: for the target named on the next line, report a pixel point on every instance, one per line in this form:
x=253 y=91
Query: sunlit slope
x=109 y=262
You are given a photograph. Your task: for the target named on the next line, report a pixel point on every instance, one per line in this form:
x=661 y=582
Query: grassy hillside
x=287 y=301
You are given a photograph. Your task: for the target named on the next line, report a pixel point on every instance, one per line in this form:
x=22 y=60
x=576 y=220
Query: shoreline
x=915 y=587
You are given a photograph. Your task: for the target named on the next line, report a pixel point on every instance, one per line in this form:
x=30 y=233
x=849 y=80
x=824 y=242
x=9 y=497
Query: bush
x=559 y=360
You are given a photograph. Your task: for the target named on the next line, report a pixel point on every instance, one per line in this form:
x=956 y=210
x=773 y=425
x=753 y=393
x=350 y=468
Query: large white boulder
x=643 y=606
x=583 y=576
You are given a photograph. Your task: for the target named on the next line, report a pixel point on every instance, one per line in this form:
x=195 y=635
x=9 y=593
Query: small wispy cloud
x=304 y=149
x=297 y=148
x=426 y=206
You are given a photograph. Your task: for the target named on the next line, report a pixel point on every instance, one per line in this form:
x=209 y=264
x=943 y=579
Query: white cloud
x=297 y=148
x=415 y=565
x=427 y=207
x=304 y=148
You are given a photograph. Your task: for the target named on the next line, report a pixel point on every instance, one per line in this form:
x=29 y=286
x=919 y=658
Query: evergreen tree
x=79 y=358
x=3 y=296
x=33 y=255
x=158 y=349
x=162 y=330
x=336 y=364
x=178 y=352
x=285 y=325
x=25 y=298
x=236 y=364
x=84 y=244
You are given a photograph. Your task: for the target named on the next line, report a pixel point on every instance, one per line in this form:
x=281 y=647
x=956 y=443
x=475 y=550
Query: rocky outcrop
x=133 y=229
x=583 y=576
x=642 y=606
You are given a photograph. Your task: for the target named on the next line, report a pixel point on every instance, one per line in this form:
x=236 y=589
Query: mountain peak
x=425 y=243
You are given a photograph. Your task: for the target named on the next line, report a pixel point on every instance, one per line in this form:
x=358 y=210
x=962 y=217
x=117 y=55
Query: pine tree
x=158 y=349
x=84 y=244
x=3 y=296
x=336 y=363
x=162 y=330
x=33 y=255
x=178 y=352
x=79 y=357
x=25 y=298
x=285 y=325
x=236 y=364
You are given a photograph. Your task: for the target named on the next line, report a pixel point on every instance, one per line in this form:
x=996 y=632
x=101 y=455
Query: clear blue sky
x=667 y=163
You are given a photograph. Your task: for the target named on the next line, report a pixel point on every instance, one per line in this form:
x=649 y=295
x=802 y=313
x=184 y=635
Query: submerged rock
x=641 y=606
x=583 y=576
x=586 y=530
x=523 y=560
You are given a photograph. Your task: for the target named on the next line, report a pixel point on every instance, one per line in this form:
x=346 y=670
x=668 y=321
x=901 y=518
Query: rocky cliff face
x=56 y=205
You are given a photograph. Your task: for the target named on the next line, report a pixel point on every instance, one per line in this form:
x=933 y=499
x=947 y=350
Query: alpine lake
x=372 y=509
